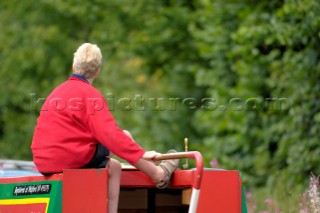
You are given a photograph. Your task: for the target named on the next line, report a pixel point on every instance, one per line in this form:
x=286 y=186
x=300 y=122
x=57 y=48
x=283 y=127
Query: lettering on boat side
x=32 y=189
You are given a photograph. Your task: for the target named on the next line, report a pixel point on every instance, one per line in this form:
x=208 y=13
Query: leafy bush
x=244 y=76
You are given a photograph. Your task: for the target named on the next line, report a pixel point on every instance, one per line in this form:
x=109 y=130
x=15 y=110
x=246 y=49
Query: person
x=75 y=130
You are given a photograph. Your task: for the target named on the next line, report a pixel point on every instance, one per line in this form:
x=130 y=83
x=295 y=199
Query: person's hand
x=149 y=155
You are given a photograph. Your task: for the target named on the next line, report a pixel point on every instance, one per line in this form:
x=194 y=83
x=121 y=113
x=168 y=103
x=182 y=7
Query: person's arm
x=106 y=131
x=148 y=155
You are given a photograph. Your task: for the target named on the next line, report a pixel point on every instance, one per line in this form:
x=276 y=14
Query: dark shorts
x=100 y=158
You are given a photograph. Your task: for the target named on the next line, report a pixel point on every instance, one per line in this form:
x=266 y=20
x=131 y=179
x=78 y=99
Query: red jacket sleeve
x=105 y=129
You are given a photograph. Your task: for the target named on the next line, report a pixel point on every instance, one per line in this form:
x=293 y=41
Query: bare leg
x=155 y=172
x=114 y=171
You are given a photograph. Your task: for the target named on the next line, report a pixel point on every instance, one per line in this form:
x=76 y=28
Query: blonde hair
x=87 y=60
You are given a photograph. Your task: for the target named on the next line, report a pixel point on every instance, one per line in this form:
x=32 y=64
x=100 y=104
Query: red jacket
x=72 y=121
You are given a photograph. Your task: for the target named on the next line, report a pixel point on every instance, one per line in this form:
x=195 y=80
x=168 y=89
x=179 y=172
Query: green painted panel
x=16 y=192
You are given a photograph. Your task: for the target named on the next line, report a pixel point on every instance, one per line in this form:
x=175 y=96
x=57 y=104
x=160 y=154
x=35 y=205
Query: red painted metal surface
x=30 y=178
x=220 y=192
x=199 y=168
x=135 y=178
x=85 y=191
x=129 y=178
x=39 y=207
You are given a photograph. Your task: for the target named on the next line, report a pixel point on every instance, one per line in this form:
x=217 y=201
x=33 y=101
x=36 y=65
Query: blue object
x=17 y=173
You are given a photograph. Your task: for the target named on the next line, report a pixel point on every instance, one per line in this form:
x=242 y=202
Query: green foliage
x=240 y=79
x=268 y=51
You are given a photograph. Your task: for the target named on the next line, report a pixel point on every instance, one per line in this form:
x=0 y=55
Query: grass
x=282 y=199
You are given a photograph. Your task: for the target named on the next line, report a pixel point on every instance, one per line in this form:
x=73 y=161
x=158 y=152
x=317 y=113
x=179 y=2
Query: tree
x=240 y=79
